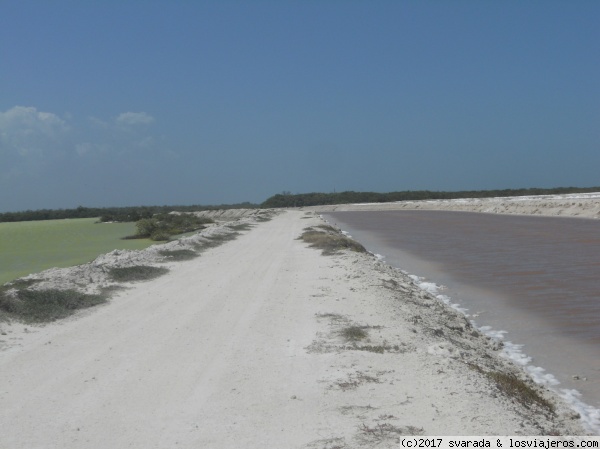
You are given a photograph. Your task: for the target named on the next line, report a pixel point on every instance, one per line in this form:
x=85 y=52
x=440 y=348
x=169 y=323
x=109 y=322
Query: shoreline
x=510 y=350
x=580 y=205
x=569 y=384
x=269 y=366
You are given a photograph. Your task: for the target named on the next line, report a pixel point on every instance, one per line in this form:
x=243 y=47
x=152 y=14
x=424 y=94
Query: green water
x=31 y=246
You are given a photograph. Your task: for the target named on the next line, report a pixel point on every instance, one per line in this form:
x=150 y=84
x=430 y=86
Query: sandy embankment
x=242 y=347
x=583 y=205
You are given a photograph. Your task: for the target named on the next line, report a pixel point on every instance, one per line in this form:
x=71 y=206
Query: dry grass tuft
x=381 y=432
x=512 y=386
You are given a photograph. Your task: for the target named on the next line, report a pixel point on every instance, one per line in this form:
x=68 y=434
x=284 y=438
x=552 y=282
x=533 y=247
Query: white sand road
x=240 y=348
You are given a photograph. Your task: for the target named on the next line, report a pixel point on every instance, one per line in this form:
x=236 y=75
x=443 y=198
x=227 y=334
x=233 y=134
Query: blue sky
x=115 y=103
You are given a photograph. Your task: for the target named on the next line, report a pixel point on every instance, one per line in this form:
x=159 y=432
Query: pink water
x=538 y=278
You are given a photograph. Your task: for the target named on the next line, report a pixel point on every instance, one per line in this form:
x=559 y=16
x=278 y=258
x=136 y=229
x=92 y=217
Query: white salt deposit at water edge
x=590 y=415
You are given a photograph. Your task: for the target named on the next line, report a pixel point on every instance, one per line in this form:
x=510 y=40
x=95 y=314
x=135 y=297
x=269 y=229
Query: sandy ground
x=583 y=205
x=243 y=347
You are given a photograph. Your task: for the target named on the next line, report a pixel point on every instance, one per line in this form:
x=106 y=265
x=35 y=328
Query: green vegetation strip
x=131 y=213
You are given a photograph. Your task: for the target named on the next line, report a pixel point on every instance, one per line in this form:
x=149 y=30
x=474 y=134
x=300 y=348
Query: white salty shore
x=582 y=205
x=242 y=347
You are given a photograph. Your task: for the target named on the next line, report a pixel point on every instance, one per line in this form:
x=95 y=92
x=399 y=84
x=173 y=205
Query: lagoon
x=31 y=246
x=536 y=278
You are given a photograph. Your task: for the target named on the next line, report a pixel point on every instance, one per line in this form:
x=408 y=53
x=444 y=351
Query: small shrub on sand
x=326 y=228
x=512 y=386
x=215 y=240
x=331 y=243
x=384 y=431
x=240 y=226
x=136 y=273
x=179 y=254
x=162 y=226
x=377 y=349
x=46 y=305
x=354 y=333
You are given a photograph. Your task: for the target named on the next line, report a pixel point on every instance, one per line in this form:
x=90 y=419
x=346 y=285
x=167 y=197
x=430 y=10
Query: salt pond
x=535 y=281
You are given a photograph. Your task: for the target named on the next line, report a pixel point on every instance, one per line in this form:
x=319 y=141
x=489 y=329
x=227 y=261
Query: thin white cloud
x=83 y=148
x=134 y=118
x=23 y=121
x=29 y=140
x=28 y=132
x=88 y=148
x=98 y=123
x=34 y=142
x=146 y=142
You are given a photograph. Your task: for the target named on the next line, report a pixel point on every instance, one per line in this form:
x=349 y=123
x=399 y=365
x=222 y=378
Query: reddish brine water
x=538 y=278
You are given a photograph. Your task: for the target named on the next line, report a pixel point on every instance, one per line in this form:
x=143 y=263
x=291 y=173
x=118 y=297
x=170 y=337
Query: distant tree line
x=134 y=213
x=286 y=199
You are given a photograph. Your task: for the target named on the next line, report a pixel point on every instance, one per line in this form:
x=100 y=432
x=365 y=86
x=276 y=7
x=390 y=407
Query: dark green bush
x=136 y=273
x=240 y=226
x=162 y=226
x=354 y=333
x=46 y=305
x=160 y=235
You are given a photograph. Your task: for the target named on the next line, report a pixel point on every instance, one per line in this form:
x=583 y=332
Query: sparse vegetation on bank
x=513 y=387
x=179 y=254
x=162 y=227
x=330 y=240
x=136 y=273
x=240 y=226
x=37 y=306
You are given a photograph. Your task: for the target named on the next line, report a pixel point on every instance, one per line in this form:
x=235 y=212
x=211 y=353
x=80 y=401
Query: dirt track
x=238 y=349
